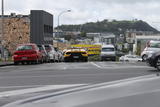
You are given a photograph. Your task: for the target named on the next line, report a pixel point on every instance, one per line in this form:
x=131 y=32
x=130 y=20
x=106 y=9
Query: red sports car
x=27 y=53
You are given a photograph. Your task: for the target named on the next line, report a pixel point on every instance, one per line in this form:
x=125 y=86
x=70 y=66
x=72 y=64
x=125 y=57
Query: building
x=141 y=41
x=137 y=40
x=41 y=27
x=103 y=38
x=34 y=28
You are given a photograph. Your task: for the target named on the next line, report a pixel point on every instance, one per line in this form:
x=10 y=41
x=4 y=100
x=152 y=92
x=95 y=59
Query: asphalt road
x=56 y=76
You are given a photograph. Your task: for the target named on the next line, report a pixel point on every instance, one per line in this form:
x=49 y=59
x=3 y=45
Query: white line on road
x=95 y=65
x=27 y=86
x=39 y=89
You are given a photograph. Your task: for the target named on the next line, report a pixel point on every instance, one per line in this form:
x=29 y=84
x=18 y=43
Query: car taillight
x=17 y=53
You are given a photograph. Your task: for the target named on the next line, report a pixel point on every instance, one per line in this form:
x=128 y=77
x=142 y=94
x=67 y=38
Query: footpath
x=5 y=63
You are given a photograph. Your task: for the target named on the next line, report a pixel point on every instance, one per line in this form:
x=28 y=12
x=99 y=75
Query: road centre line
x=38 y=89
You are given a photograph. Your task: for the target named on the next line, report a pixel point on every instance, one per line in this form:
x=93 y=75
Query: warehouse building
x=34 y=28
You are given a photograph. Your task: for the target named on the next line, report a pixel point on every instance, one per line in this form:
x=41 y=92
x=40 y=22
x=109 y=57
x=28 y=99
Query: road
x=17 y=82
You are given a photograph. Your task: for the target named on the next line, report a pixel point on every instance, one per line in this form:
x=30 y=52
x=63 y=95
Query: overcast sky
x=91 y=10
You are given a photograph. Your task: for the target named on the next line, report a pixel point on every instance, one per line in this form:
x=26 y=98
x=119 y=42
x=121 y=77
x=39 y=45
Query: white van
x=108 y=52
x=152 y=47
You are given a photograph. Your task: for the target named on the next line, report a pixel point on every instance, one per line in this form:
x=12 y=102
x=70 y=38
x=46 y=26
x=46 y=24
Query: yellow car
x=75 y=55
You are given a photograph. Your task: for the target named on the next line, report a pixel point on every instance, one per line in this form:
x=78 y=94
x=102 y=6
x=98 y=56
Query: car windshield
x=40 y=48
x=48 y=48
x=107 y=49
x=155 y=45
x=24 y=47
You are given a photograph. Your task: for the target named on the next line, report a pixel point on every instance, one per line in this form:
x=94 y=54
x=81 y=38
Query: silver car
x=53 y=55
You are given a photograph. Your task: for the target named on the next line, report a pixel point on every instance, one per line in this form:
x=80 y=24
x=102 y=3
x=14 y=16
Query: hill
x=114 y=26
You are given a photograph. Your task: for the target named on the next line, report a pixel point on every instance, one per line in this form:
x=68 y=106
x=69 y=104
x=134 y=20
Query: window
x=107 y=49
x=24 y=47
x=155 y=45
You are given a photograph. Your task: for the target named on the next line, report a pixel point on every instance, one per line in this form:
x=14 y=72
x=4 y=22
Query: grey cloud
x=90 y=10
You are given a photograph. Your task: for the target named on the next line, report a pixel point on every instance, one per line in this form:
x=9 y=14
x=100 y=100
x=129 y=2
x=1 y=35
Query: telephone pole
x=2 y=30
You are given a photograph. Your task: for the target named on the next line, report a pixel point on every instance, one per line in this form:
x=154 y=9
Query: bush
x=94 y=58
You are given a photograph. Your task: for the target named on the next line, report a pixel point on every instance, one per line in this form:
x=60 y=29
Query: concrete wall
x=16 y=31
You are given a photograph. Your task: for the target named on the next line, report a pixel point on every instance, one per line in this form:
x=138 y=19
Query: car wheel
x=158 y=64
x=28 y=63
x=144 y=58
x=66 y=60
x=114 y=59
x=23 y=63
x=37 y=61
x=85 y=60
x=16 y=63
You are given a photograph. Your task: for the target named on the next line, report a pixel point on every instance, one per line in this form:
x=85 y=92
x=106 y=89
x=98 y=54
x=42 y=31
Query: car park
x=53 y=55
x=44 y=53
x=152 y=46
x=130 y=58
x=75 y=55
x=27 y=53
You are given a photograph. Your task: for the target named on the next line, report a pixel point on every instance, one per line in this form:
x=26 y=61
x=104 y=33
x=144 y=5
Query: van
x=108 y=52
x=151 y=47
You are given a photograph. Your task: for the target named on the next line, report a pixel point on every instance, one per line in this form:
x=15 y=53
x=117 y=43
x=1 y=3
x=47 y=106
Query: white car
x=130 y=58
x=60 y=55
x=52 y=53
x=152 y=47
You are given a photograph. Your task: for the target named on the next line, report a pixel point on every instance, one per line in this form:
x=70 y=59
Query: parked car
x=75 y=55
x=53 y=55
x=153 y=60
x=44 y=53
x=130 y=58
x=60 y=56
x=27 y=53
x=152 y=47
x=108 y=52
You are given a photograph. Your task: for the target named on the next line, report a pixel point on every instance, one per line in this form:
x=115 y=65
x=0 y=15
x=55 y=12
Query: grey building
x=41 y=27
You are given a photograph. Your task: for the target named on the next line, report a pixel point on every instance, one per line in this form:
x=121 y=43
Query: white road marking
x=38 y=89
x=95 y=65
x=27 y=86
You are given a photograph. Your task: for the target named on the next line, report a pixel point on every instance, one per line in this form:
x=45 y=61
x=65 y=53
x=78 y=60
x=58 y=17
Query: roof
x=109 y=46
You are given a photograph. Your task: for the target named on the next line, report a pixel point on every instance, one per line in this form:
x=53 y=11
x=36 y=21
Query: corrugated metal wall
x=41 y=27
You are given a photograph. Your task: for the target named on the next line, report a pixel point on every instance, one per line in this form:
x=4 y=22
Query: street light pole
x=61 y=14
x=58 y=30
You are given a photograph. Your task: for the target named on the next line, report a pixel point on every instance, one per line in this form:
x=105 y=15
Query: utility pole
x=2 y=28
